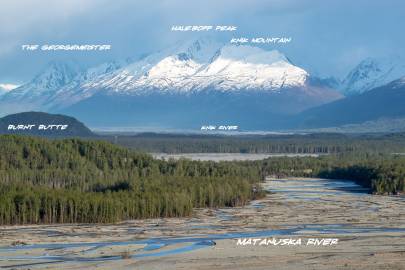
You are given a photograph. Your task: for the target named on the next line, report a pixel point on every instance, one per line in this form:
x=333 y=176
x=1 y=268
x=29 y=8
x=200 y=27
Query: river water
x=296 y=207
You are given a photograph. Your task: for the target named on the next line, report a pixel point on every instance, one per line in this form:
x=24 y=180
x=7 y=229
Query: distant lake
x=226 y=156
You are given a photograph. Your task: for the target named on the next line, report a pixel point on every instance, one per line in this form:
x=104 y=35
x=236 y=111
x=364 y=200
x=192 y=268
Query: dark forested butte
x=29 y=123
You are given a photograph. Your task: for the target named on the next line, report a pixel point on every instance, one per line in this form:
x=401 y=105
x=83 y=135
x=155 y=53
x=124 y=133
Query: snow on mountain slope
x=74 y=92
x=203 y=65
x=198 y=66
x=371 y=73
x=53 y=77
x=57 y=81
x=34 y=94
x=245 y=67
x=162 y=69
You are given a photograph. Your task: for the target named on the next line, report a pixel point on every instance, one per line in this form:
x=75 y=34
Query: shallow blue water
x=165 y=246
x=154 y=245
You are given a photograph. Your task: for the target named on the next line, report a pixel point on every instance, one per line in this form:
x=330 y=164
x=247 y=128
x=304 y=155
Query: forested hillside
x=45 y=181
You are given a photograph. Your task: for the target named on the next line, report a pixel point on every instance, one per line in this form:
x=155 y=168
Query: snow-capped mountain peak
x=371 y=73
x=50 y=79
x=204 y=64
x=200 y=50
x=56 y=75
x=247 y=67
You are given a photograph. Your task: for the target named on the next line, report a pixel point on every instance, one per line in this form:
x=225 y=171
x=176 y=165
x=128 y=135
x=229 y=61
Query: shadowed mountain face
x=387 y=101
x=252 y=110
x=43 y=124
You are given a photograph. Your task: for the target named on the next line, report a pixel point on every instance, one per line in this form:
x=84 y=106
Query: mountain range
x=203 y=82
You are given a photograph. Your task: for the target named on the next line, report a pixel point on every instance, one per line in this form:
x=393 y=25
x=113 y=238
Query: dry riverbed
x=370 y=233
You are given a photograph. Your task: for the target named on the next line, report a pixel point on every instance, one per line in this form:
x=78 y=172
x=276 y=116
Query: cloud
x=7 y=86
x=324 y=33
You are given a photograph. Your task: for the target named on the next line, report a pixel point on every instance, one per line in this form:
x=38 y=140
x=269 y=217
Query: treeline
x=382 y=173
x=294 y=143
x=71 y=180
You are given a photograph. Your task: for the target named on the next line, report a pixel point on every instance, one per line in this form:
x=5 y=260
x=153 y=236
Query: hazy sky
x=328 y=36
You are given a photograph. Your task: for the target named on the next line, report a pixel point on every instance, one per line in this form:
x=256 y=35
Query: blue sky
x=328 y=37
